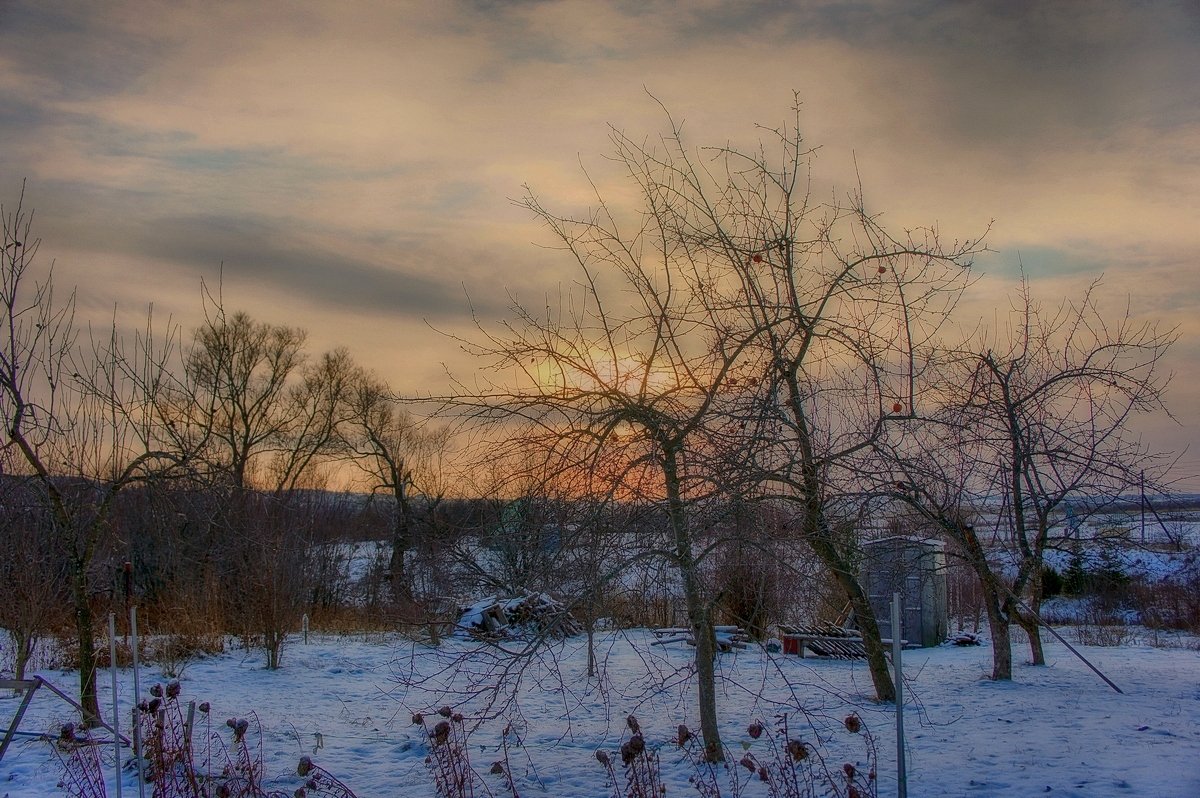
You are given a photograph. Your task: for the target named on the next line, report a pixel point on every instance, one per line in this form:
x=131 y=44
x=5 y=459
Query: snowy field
x=1056 y=730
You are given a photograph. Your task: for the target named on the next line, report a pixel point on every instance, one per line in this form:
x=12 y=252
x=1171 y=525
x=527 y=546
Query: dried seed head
x=853 y=792
x=637 y=744
x=154 y=704
x=626 y=753
x=849 y=770
x=748 y=763
x=457 y=717
x=66 y=731
x=755 y=730
x=299 y=793
x=445 y=712
x=797 y=750
x=156 y=690
x=204 y=707
x=682 y=735
x=440 y=733
x=497 y=768
x=602 y=758
x=231 y=723
x=853 y=723
x=223 y=791
x=239 y=731
x=305 y=766
x=173 y=689
x=633 y=724
x=763 y=775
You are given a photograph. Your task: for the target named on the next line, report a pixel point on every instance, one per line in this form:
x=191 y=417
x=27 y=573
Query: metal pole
x=1142 y=504
x=137 y=692
x=898 y=673
x=116 y=710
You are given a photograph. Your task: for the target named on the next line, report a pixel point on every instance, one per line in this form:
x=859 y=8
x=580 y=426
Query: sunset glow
x=352 y=165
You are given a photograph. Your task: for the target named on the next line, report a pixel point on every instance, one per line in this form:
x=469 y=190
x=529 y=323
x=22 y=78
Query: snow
x=1134 y=562
x=347 y=702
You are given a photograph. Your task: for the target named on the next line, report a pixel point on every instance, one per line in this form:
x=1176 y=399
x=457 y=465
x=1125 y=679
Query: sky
x=350 y=167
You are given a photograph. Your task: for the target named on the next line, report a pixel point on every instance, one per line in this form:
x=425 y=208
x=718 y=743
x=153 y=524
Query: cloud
x=356 y=159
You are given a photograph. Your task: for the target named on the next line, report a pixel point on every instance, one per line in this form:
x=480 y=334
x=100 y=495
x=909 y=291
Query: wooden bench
x=728 y=637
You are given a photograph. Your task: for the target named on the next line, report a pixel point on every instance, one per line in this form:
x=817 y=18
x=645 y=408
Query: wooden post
x=137 y=692
x=27 y=685
x=898 y=673
x=116 y=709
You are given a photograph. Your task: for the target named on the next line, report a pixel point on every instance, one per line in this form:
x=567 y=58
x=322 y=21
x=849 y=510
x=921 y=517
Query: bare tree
x=402 y=458
x=80 y=418
x=736 y=337
x=266 y=415
x=621 y=398
x=838 y=316
x=1031 y=416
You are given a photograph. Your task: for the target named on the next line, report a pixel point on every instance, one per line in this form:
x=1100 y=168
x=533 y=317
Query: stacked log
x=517 y=617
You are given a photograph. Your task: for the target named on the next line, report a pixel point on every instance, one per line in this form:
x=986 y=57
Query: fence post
x=898 y=674
x=137 y=692
x=116 y=709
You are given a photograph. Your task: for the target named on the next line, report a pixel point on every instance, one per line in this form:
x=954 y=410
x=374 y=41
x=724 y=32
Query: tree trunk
x=995 y=599
x=881 y=673
x=397 y=568
x=699 y=617
x=1029 y=620
x=590 y=629
x=23 y=644
x=1033 y=630
x=85 y=633
x=273 y=643
x=706 y=654
x=998 y=625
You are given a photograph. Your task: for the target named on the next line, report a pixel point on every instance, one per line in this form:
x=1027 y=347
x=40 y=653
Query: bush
x=1169 y=604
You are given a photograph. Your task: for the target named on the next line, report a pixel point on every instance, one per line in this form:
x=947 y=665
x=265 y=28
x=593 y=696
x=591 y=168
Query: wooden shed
x=916 y=569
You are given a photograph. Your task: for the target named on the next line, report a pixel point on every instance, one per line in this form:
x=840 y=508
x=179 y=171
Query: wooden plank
x=43 y=683
x=18 y=684
x=29 y=686
x=662 y=641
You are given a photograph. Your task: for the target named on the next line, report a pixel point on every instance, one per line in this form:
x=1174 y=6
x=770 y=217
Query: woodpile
x=531 y=615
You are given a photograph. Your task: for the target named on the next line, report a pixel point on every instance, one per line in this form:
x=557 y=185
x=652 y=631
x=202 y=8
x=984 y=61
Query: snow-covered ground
x=1056 y=730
